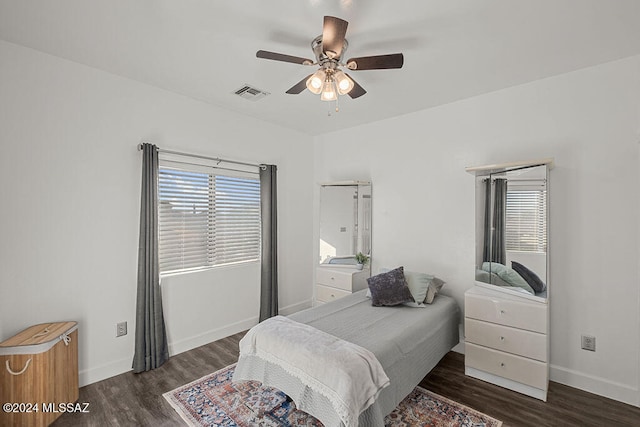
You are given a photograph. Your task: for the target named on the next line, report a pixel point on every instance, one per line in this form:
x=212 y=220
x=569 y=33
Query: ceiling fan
x=329 y=47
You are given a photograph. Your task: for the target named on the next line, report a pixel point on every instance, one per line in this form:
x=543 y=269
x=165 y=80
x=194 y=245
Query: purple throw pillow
x=389 y=288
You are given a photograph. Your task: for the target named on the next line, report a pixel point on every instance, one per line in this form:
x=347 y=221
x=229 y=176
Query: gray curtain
x=498 y=243
x=486 y=243
x=494 y=244
x=151 y=349
x=269 y=268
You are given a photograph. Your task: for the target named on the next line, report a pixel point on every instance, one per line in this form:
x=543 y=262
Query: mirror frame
x=489 y=170
x=361 y=224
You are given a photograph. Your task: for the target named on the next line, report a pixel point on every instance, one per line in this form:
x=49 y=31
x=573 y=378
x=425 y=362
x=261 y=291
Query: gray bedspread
x=408 y=342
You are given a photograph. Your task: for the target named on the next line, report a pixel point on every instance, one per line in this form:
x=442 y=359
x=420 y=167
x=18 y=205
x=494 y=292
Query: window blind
x=206 y=219
x=526 y=220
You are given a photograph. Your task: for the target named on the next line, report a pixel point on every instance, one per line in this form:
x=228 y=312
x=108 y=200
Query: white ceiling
x=205 y=49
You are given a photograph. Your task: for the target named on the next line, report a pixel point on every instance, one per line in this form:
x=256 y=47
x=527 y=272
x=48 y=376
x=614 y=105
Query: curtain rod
x=540 y=181
x=215 y=159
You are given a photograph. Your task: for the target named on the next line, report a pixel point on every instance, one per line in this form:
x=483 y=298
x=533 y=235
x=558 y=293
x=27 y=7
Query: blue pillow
x=529 y=276
x=390 y=288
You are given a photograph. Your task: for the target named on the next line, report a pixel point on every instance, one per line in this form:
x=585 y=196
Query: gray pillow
x=390 y=288
x=529 y=276
x=507 y=274
x=434 y=287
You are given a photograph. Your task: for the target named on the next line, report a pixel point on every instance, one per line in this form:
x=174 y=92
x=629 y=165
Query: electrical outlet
x=589 y=342
x=121 y=329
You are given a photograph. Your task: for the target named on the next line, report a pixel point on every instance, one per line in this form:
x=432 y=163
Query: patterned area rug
x=214 y=401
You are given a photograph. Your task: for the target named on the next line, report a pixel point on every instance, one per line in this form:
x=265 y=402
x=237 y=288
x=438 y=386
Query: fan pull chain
x=336 y=107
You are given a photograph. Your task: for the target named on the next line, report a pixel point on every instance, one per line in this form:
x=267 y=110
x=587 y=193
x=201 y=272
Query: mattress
x=408 y=342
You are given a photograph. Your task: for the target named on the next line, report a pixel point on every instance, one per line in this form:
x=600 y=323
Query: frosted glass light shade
x=329 y=91
x=315 y=82
x=343 y=82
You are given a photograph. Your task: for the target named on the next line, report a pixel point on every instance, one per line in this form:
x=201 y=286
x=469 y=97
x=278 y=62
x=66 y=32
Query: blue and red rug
x=214 y=400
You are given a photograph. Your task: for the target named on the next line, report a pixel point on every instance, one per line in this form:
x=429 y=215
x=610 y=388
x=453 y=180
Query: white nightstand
x=333 y=283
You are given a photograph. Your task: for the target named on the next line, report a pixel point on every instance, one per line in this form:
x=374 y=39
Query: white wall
x=70 y=195
x=423 y=202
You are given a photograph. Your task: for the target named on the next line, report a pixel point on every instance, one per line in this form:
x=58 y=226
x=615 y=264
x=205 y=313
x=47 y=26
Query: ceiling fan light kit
x=329 y=80
x=316 y=81
x=328 y=91
x=344 y=83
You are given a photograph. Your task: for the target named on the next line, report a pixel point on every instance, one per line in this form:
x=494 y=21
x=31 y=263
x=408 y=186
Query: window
x=526 y=220
x=207 y=218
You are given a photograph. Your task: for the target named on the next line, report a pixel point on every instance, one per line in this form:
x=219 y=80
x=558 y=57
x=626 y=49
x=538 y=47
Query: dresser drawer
x=326 y=294
x=516 y=368
x=527 y=315
x=334 y=279
x=504 y=338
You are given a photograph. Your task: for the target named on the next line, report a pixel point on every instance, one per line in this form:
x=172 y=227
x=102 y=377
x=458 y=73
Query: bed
x=408 y=342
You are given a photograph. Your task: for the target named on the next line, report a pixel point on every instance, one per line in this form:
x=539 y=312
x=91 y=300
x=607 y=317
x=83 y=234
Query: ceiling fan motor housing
x=323 y=58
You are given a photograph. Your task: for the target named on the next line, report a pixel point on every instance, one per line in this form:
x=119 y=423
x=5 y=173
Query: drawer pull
x=333 y=296
x=501 y=338
x=12 y=372
x=502 y=364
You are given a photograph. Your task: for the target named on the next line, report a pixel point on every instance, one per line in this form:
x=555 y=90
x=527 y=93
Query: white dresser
x=507 y=340
x=336 y=282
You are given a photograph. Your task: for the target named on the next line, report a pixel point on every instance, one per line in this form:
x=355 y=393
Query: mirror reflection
x=511 y=236
x=345 y=222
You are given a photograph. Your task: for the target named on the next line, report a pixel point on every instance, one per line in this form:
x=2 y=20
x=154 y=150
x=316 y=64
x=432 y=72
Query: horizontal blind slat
x=526 y=220
x=206 y=219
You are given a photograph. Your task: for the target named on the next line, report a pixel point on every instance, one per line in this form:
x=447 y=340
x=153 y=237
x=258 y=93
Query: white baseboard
x=596 y=385
x=93 y=375
x=219 y=333
x=459 y=348
x=212 y=335
x=294 y=308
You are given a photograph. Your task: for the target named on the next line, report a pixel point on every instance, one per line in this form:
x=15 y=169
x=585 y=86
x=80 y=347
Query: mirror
x=345 y=222
x=512 y=229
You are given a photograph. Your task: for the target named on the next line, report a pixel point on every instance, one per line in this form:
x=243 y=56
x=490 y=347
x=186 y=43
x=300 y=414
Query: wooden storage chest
x=38 y=366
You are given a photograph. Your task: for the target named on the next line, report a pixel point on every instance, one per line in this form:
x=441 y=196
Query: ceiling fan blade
x=379 y=62
x=333 y=32
x=282 y=57
x=357 y=90
x=299 y=87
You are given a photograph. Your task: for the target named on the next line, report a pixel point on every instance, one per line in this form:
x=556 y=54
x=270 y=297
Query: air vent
x=251 y=93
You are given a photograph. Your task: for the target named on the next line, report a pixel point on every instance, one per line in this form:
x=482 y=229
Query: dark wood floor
x=565 y=406
x=136 y=399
